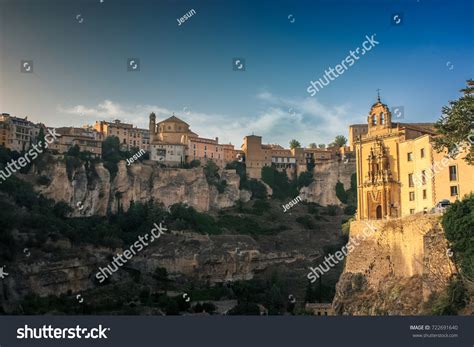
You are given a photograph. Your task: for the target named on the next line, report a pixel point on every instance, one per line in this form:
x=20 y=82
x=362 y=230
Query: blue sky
x=80 y=72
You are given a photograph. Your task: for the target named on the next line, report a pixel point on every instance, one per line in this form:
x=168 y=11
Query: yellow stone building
x=400 y=173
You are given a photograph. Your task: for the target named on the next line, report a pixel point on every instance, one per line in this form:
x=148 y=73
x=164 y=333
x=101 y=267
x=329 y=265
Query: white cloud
x=281 y=119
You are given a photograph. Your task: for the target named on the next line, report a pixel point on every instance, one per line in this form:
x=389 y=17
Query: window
x=424 y=194
x=374 y=119
x=454 y=190
x=422 y=153
x=205 y=148
x=410 y=180
x=410 y=156
x=453 y=173
x=412 y=210
x=382 y=118
x=423 y=177
x=411 y=196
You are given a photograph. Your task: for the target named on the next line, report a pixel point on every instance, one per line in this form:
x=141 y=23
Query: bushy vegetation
x=450 y=301
x=341 y=192
x=257 y=189
x=458 y=224
x=282 y=187
x=306 y=221
x=112 y=154
x=348 y=196
x=211 y=170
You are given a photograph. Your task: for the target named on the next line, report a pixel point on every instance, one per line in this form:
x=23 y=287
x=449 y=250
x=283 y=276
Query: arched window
x=382 y=118
x=374 y=119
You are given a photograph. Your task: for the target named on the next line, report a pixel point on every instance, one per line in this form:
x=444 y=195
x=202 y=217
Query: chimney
x=217 y=139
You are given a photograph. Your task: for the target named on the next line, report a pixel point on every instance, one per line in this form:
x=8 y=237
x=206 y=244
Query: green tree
x=294 y=144
x=111 y=149
x=339 y=141
x=304 y=179
x=40 y=138
x=458 y=225
x=322 y=145
x=312 y=145
x=341 y=192
x=456 y=125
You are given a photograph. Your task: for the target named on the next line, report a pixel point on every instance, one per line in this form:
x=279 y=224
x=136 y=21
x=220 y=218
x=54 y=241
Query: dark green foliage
x=348 y=196
x=72 y=164
x=451 y=300
x=456 y=124
x=260 y=207
x=339 y=141
x=352 y=192
x=192 y=164
x=111 y=154
x=331 y=210
x=74 y=151
x=43 y=180
x=305 y=179
x=341 y=192
x=282 y=187
x=211 y=170
x=458 y=224
x=184 y=217
x=310 y=165
x=239 y=168
x=256 y=187
x=306 y=221
x=319 y=292
x=160 y=274
x=295 y=144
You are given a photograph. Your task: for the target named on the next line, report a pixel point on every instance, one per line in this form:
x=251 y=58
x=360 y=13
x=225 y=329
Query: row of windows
x=453 y=191
x=453 y=176
x=410 y=154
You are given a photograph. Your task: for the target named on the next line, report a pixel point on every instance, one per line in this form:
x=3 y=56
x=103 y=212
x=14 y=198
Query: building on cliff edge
x=398 y=170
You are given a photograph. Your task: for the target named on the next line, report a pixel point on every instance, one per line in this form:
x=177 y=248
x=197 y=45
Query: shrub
x=458 y=224
x=257 y=189
x=341 y=193
x=451 y=300
x=43 y=180
x=305 y=179
x=306 y=221
x=282 y=187
x=331 y=210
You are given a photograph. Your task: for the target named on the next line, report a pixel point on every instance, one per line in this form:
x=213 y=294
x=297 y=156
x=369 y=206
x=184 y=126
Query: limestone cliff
x=326 y=176
x=96 y=193
x=395 y=268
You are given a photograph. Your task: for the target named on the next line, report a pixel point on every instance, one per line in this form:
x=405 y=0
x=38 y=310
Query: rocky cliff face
x=395 y=268
x=326 y=176
x=62 y=267
x=139 y=182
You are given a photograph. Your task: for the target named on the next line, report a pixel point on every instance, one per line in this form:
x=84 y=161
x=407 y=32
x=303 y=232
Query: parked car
x=441 y=206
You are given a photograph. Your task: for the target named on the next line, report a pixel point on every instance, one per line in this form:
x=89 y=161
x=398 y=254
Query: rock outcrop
x=394 y=266
x=326 y=176
x=94 y=193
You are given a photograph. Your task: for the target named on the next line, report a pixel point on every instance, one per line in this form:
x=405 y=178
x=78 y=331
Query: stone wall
x=410 y=250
